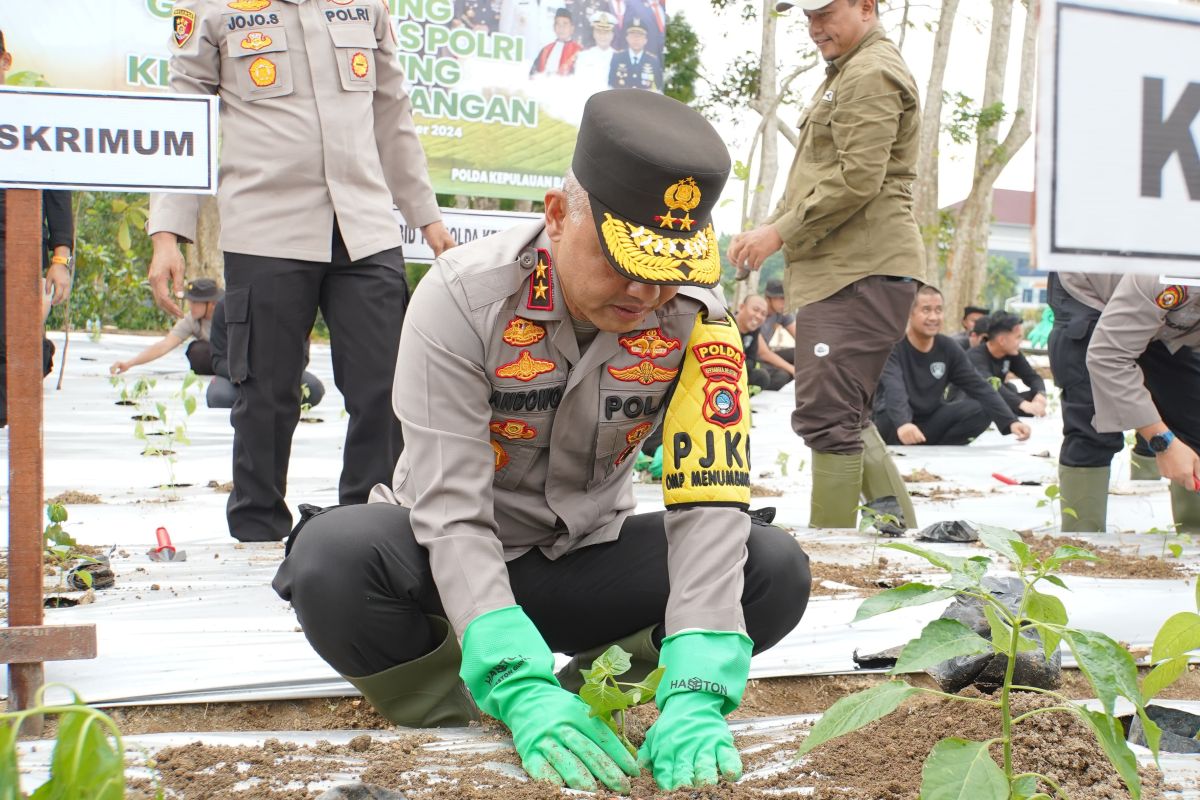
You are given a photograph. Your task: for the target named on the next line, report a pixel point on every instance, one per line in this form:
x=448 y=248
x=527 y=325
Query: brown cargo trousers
x=842 y=344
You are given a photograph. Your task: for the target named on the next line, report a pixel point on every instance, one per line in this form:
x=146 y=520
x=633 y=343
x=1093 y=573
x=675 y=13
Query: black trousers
x=767 y=377
x=270 y=307
x=362 y=587
x=1173 y=380
x=199 y=356
x=953 y=423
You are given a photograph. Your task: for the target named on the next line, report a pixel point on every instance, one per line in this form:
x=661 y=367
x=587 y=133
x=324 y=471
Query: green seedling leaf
x=1051 y=492
x=906 y=596
x=189 y=380
x=1066 y=553
x=1057 y=581
x=1111 y=736
x=948 y=563
x=162 y=411
x=941 y=640
x=85 y=763
x=961 y=770
x=1046 y=608
x=1163 y=676
x=853 y=712
x=10 y=779
x=1070 y=512
x=1178 y=635
x=1152 y=732
x=1024 y=786
x=603 y=698
x=1197 y=593
x=1002 y=633
x=56 y=512
x=189 y=405
x=1003 y=541
x=1176 y=549
x=613 y=661
x=1108 y=667
x=648 y=686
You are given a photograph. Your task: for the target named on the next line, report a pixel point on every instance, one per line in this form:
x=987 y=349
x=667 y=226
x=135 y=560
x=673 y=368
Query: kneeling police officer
x=532 y=365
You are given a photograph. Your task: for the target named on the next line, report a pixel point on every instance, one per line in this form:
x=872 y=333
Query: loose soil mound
x=868 y=579
x=73 y=497
x=1114 y=562
x=1057 y=744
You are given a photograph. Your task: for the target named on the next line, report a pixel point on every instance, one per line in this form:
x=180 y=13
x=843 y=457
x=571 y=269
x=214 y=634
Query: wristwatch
x=1159 y=442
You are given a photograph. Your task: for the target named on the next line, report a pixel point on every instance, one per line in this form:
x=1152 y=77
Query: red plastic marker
x=164 y=543
x=1005 y=479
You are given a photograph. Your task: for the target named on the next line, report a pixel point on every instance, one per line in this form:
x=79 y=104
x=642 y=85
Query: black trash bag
x=763 y=516
x=1178 y=728
x=949 y=531
x=884 y=659
x=361 y=791
x=986 y=672
x=100 y=570
x=888 y=505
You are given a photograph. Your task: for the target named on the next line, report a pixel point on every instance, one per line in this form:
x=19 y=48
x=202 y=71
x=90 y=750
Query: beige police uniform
x=315 y=123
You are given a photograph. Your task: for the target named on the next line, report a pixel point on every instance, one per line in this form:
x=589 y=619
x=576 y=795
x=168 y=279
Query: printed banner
x=497 y=86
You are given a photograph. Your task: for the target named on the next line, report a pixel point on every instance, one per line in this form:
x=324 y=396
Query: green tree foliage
x=1001 y=282
x=681 y=60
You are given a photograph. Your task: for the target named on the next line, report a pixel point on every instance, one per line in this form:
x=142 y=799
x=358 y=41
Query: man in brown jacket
x=532 y=366
x=318 y=143
x=854 y=253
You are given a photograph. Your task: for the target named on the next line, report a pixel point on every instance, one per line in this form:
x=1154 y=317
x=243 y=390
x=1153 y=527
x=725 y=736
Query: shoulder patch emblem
x=541 y=284
x=645 y=373
x=184 y=22
x=632 y=440
x=1171 y=297
x=525 y=367
x=513 y=429
x=721 y=365
x=262 y=72
x=501 y=455
x=249 y=5
x=256 y=40
x=649 y=344
x=522 y=333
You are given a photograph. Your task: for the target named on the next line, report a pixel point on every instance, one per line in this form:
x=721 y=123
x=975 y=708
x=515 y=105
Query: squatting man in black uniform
x=532 y=365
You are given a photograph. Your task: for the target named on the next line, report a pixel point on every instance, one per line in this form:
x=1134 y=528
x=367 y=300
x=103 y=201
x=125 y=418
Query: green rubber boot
x=881 y=478
x=643 y=660
x=1084 y=489
x=1143 y=468
x=837 y=485
x=1185 y=508
x=425 y=693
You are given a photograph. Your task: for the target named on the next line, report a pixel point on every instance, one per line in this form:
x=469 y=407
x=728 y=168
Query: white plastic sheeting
x=211 y=628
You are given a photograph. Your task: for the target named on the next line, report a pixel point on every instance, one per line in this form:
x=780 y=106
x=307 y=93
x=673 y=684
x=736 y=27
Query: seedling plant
x=168 y=436
x=609 y=698
x=873 y=521
x=1053 y=499
x=958 y=768
x=60 y=549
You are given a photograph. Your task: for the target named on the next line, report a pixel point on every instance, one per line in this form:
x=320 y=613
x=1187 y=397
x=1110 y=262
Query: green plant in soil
x=168 y=437
x=88 y=762
x=306 y=414
x=957 y=768
x=1172 y=541
x=873 y=521
x=782 y=461
x=1053 y=499
x=609 y=698
x=60 y=549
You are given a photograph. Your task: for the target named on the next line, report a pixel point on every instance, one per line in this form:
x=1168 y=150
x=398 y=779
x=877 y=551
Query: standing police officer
x=533 y=365
x=853 y=251
x=1123 y=351
x=317 y=144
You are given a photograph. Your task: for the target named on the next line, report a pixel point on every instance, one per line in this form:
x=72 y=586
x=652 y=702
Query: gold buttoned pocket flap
x=259 y=59
x=355 y=45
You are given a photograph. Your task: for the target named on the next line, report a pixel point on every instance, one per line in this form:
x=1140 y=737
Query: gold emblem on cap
x=682 y=196
x=645 y=255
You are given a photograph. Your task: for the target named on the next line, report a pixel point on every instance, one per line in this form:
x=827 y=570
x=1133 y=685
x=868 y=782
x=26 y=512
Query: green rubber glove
x=510 y=672
x=691 y=744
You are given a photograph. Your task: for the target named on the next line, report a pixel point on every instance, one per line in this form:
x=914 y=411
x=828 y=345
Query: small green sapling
x=609 y=698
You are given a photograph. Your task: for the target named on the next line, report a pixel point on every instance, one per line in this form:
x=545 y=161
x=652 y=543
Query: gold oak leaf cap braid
x=653 y=169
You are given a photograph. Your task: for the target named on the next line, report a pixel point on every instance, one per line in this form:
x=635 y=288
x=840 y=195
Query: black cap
x=774 y=288
x=653 y=169
x=203 y=290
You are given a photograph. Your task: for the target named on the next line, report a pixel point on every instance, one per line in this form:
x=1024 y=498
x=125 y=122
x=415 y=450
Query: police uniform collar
x=872 y=36
x=540 y=293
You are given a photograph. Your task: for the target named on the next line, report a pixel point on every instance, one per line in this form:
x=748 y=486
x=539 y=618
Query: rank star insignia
x=649 y=344
x=1171 y=297
x=500 y=454
x=645 y=373
x=522 y=332
x=359 y=65
x=256 y=40
x=512 y=429
x=541 y=284
x=682 y=196
x=249 y=5
x=525 y=368
x=184 y=22
x=262 y=72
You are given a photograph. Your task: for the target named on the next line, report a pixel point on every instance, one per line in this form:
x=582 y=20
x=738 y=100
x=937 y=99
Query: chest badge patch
x=359 y=65
x=938 y=369
x=501 y=455
x=645 y=373
x=513 y=429
x=649 y=344
x=632 y=440
x=256 y=40
x=525 y=367
x=522 y=332
x=262 y=72
x=541 y=286
x=1172 y=297
x=184 y=22
x=249 y=5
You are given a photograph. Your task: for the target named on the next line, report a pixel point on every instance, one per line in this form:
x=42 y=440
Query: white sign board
x=107 y=141
x=1118 y=176
x=464 y=225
